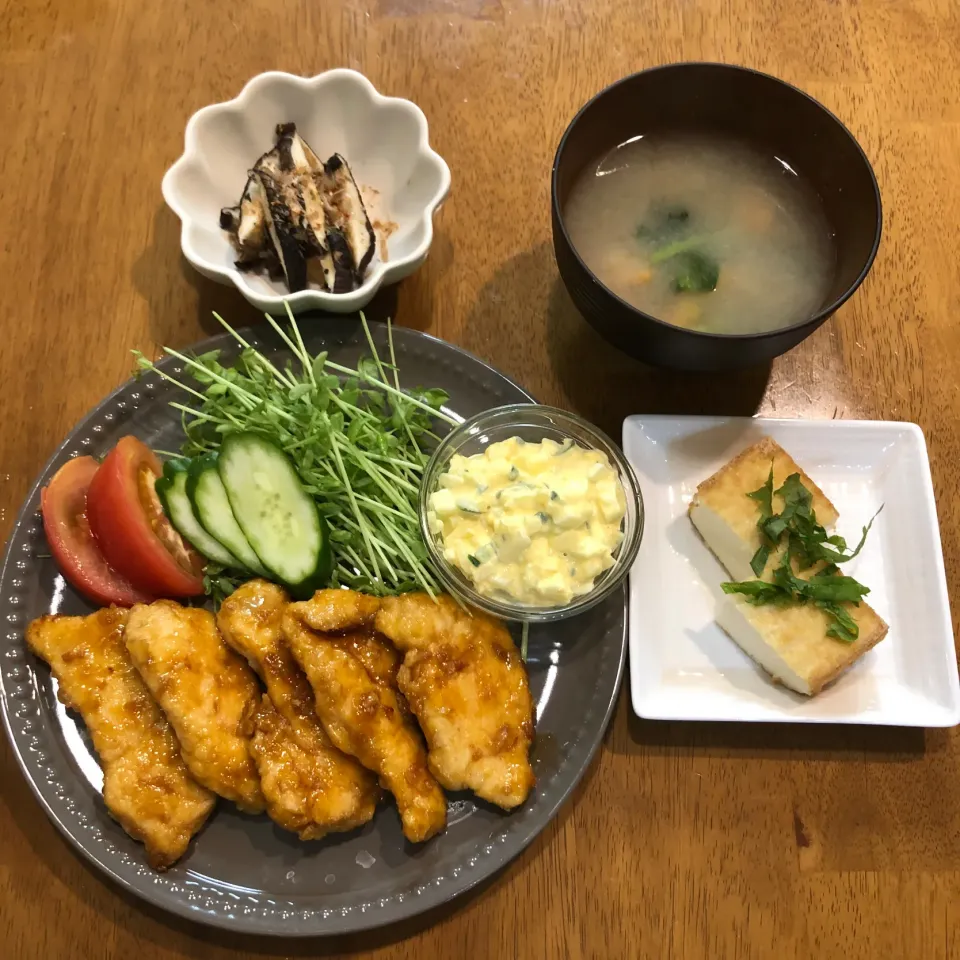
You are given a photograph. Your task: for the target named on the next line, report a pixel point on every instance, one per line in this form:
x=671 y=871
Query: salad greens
x=807 y=544
x=354 y=436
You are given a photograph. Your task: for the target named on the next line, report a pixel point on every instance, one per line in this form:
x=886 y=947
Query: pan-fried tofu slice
x=146 y=785
x=791 y=642
x=727 y=518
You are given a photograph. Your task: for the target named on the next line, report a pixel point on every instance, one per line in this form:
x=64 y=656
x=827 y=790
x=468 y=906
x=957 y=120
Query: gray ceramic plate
x=242 y=872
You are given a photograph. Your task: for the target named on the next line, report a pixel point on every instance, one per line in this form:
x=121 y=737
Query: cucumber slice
x=172 y=490
x=278 y=517
x=212 y=508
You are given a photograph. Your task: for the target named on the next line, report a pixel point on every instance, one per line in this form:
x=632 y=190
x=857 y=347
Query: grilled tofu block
x=727 y=518
x=146 y=784
x=789 y=642
x=207 y=692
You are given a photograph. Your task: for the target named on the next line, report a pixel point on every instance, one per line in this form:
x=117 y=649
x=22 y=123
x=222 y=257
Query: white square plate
x=684 y=667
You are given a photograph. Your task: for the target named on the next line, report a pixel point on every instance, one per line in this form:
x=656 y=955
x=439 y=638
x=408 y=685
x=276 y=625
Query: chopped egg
x=532 y=522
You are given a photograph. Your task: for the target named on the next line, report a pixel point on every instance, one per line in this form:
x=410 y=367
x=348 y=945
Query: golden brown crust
x=467 y=685
x=310 y=786
x=767 y=449
x=790 y=632
x=310 y=789
x=207 y=692
x=866 y=641
x=352 y=670
x=146 y=785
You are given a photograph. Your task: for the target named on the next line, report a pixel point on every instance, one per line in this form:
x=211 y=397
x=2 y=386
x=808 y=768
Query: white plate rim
x=947 y=716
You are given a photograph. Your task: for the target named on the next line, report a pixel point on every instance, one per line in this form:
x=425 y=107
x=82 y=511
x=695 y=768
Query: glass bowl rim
x=517 y=611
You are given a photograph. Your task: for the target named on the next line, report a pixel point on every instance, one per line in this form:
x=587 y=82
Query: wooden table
x=683 y=840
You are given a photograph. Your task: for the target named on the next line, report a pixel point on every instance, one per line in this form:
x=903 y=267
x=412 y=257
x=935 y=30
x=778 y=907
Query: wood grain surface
x=683 y=840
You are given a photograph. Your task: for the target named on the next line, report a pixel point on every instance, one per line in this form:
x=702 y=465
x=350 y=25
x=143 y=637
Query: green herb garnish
x=676 y=249
x=667 y=231
x=763 y=496
x=356 y=438
x=808 y=543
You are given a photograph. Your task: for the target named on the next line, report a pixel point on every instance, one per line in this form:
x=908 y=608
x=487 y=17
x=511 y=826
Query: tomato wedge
x=133 y=532
x=63 y=503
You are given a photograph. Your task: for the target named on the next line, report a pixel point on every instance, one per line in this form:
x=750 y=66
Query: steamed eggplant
x=247 y=223
x=302 y=218
x=283 y=221
x=350 y=215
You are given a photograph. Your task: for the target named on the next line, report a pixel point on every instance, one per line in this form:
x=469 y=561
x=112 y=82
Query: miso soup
x=703 y=233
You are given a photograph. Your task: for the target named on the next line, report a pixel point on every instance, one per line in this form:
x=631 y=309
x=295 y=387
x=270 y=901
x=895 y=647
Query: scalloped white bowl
x=384 y=139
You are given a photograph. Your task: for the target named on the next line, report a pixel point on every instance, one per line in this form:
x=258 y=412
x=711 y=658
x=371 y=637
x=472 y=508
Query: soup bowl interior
x=749 y=109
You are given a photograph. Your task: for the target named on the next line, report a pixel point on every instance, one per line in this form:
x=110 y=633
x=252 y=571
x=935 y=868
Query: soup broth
x=704 y=234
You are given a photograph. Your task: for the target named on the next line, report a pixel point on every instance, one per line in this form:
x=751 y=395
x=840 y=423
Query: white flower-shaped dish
x=384 y=139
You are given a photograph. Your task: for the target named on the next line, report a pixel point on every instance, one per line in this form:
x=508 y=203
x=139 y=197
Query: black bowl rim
x=814 y=321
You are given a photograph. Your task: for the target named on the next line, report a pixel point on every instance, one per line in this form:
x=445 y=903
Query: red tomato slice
x=131 y=528
x=64 y=506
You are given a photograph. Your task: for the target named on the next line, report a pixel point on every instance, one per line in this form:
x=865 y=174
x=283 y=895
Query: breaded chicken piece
x=467 y=685
x=310 y=786
x=302 y=793
x=146 y=785
x=207 y=692
x=352 y=672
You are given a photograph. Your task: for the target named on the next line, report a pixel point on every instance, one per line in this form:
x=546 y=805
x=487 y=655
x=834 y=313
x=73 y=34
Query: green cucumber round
x=211 y=507
x=172 y=490
x=278 y=517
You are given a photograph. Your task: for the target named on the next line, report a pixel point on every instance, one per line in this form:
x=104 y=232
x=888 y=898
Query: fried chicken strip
x=310 y=786
x=465 y=682
x=353 y=675
x=207 y=692
x=146 y=785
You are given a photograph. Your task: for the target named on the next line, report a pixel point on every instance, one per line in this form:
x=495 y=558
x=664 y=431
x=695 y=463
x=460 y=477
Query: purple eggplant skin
x=230 y=218
x=344 y=271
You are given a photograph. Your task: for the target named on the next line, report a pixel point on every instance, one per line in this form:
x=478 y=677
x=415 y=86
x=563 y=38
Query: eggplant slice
x=247 y=223
x=350 y=215
x=301 y=218
x=283 y=217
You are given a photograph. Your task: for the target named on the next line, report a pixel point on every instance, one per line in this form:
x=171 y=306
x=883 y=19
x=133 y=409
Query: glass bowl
x=533 y=423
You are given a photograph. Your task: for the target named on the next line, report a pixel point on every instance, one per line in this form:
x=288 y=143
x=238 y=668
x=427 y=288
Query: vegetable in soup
x=705 y=234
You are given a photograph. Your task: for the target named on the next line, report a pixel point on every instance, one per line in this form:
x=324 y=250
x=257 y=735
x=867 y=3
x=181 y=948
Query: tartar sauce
x=535 y=522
